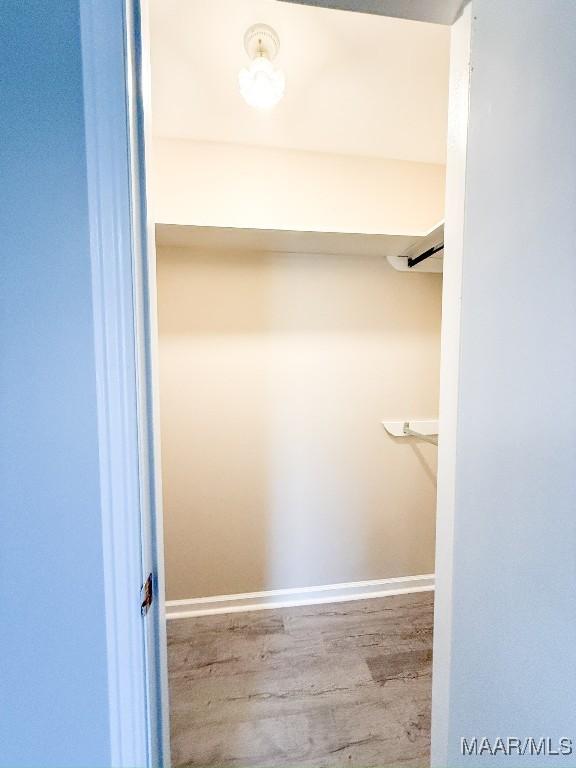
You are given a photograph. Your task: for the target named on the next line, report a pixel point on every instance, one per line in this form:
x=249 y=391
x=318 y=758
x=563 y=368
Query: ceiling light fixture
x=261 y=85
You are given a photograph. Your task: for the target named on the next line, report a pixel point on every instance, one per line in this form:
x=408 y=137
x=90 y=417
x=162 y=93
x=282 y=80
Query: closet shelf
x=426 y=254
x=426 y=429
x=244 y=240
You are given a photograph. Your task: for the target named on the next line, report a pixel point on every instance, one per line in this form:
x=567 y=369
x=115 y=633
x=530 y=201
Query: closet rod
x=412 y=433
x=426 y=255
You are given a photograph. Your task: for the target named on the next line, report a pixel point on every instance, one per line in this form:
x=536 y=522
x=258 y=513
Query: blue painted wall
x=53 y=689
x=508 y=639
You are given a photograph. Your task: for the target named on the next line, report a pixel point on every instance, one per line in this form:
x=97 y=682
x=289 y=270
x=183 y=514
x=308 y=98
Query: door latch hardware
x=147 y=595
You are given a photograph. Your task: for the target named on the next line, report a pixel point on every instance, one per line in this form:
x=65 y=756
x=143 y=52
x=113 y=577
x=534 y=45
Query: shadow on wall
x=275 y=372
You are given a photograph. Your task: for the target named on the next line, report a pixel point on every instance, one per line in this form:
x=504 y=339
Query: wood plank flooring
x=346 y=684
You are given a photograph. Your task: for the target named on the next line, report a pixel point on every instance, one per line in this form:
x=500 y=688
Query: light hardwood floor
x=331 y=685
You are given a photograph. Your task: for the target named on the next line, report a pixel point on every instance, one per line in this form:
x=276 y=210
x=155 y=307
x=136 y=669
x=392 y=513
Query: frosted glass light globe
x=261 y=85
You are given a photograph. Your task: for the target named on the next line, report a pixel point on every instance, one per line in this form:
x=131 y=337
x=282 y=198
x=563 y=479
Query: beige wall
x=275 y=372
x=228 y=185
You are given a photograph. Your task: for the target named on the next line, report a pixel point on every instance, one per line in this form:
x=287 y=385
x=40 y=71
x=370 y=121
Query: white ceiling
x=355 y=83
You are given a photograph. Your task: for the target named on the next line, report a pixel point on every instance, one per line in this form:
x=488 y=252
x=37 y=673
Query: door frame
x=116 y=98
x=124 y=315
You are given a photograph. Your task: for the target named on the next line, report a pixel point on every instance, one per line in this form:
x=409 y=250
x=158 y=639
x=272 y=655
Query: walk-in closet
x=296 y=162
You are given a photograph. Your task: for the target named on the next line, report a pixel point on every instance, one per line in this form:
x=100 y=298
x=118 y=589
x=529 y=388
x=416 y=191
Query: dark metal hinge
x=146 y=595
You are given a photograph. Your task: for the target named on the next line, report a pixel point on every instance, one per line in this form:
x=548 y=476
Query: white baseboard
x=286 y=598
